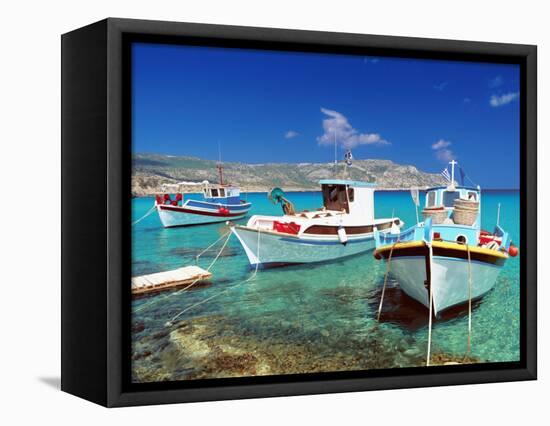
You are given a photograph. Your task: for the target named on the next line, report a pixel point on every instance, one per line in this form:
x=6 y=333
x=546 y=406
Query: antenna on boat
x=335 y=155
x=219 y=164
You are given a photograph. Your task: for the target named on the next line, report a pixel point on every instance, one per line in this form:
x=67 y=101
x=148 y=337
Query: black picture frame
x=96 y=167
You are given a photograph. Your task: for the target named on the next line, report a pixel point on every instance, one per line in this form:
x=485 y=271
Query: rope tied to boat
x=170 y=323
x=469 y=299
x=187 y=287
x=430 y=302
x=385 y=280
x=151 y=210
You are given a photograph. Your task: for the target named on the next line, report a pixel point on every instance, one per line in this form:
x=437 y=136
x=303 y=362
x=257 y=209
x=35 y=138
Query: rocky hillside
x=153 y=172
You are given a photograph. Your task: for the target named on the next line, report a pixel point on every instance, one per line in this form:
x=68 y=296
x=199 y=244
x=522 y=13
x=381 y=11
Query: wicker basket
x=468 y=204
x=465 y=212
x=438 y=214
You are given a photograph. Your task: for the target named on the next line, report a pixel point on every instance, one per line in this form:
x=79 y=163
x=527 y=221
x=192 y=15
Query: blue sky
x=264 y=106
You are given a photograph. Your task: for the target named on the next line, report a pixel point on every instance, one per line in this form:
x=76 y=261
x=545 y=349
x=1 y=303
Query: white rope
x=175 y=293
x=430 y=254
x=469 y=299
x=171 y=321
x=385 y=280
x=151 y=210
x=211 y=245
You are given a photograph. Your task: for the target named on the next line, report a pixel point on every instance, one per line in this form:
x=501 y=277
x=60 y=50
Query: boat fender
x=342 y=236
x=158 y=199
x=223 y=210
x=166 y=197
x=513 y=250
x=179 y=197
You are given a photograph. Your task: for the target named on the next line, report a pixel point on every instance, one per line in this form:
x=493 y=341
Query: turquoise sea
x=310 y=318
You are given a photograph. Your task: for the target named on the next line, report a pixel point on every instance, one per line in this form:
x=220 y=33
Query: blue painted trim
x=324 y=243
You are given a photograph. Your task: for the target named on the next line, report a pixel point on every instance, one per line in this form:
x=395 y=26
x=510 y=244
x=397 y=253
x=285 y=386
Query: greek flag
x=446 y=175
x=348 y=157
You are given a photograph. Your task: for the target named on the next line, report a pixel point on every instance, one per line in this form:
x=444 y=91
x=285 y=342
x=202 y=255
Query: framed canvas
x=254 y=212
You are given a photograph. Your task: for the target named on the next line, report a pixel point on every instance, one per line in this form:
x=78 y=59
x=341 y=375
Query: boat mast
x=452 y=163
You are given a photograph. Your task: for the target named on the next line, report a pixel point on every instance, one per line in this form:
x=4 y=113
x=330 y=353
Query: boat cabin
x=446 y=195
x=221 y=194
x=460 y=208
x=352 y=197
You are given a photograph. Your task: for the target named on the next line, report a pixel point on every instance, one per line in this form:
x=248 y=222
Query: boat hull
x=449 y=279
x=272 y=249
x=172 y=216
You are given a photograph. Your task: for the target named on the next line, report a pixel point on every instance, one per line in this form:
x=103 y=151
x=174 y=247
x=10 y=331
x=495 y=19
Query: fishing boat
x=343 y=226
x=446 y=259
x=220 y=202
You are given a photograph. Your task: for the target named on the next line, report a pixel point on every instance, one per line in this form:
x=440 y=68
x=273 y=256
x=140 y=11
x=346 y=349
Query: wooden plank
x=168 y=279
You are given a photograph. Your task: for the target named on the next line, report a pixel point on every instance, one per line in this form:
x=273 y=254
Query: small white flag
x=415 y=197
x=446 y=175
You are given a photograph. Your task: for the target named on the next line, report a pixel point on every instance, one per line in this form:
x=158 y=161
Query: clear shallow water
x=308 y=318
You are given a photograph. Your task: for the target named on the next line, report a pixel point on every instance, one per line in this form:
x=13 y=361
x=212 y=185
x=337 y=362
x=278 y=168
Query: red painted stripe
x=184 y=210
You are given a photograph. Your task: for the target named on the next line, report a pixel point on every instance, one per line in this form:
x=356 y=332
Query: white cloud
x=495 y=82
x=441 y=86
x=445 y=155
x=291 y=134
x=337 y=125
x=441 y=143
x=442 y=151
x=500 y=100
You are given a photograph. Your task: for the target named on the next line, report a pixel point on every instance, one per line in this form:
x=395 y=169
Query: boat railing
x=499 y=232
x=418 y=232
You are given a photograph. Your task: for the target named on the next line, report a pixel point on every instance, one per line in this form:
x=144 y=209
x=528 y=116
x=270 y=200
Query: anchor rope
x=385 y=280
x=151 y=210
x=175 y=293
x=171 y=321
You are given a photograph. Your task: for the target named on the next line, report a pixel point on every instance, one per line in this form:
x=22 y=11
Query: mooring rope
x=151 y=210
x=212 y=245
x=385 y=280
x=430 y=297
x=469 y=298
x=175 y=293
x=170 y=323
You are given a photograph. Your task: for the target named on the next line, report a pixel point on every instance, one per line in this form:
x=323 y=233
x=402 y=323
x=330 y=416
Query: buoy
x=158 y=198
x=174 y=203
x=179 y=197
x=166 y=197
x=223 y=210
x=513 y=250
x=342 y=236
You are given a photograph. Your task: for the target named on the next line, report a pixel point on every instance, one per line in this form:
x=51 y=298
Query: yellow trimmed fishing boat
x=447 y=259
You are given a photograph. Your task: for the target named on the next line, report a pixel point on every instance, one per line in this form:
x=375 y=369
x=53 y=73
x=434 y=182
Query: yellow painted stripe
x=444 y=245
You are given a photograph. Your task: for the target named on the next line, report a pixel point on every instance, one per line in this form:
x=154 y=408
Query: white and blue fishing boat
x=447 y=259
x=343 y=226
x=220 y=202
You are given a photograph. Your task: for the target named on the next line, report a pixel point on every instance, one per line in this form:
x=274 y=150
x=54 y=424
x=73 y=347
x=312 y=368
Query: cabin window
x=450 y=197
x=335 y=198
x=214 y=192
x=222 y=192
x=472 y=196
x=431 y=199
x=351 y=195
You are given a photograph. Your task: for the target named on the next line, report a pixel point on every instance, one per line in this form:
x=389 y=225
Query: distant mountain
x=152 y=171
